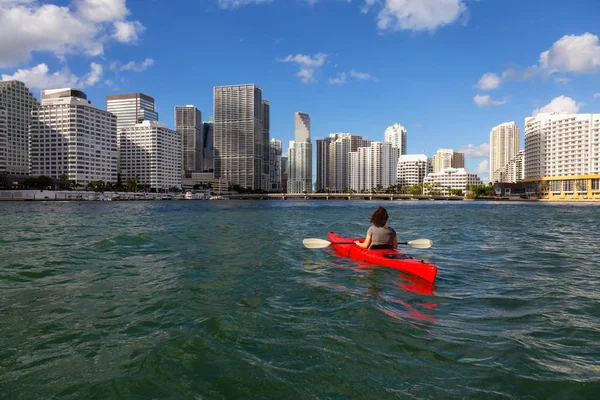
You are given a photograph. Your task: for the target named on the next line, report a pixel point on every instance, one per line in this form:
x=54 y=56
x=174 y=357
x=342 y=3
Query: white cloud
x=133 y=66
x=39 y=77
x=339 y=80
x=483 y=167
x=569 y=54
x=562 y=80
x=94 y=75
x=416 y=15
x=308 y=65
x=573 y=53
x=361 y=75
x=489 y=81
x=233 y=4
x=127 y=31
x=486 y=101
x=481 y=151
x=84 y=27
x=597 y=95
x=560 y=104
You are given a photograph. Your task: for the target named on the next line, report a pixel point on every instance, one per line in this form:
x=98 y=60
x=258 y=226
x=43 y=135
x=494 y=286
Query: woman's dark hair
x=379 y=217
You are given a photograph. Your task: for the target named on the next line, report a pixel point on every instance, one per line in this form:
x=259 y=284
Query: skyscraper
x=188 y=123
x=396 y=135
x=341 y=144
x=208 y=141
x=447 y=158
x=131 y=108
x=504 y=146
x=17 y=102
x=275 y=165
x=266 y=120
x=151 y=152
x=300 y=156
x=323 y=164
x=68 y=135
x=239 y=135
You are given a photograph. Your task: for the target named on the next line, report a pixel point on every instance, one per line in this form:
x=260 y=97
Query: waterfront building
x=284 y=172
x=267 y=162
x=504 y=146
x=515 y=169
x=151 y=152
x=396 y=135
x=323 y=172
x=17 y=102
x=188 y=123
x=206 y=181
x=300 y=156
x=131 y=109
x=275 y=165
x=562 y=155
x=373 y=167
x=412 y=169
x=68 y=136
x=447 y=158
x=238 y=135
x=451 y=179
x=340 y=145
x=208 y=142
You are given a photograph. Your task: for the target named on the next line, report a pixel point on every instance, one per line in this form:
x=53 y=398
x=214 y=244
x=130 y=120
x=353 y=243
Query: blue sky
x=448 y=70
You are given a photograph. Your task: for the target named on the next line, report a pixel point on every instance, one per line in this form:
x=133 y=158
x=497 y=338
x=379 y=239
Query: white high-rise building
x=396 y=135
x=188 y=123
x=239 y=136
x=131 y=109
x=452 y=179
x=300 y=157
x=17 y=102
x=504 y=146
x=373 y=166
x=68 y=135
x=447 y=158
x=340 y=144
x=562 y=145
x=151 y=152
x=514 y=170
x=412 y=169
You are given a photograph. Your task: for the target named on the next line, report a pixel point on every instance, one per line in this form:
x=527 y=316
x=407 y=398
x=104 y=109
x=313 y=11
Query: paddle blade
x=315 y=243
x=420 y=243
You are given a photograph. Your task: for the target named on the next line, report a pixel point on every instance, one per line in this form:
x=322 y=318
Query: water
x=211 y=300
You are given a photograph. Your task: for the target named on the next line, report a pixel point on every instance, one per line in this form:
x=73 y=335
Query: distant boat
x=189 y=196
x=167 y=197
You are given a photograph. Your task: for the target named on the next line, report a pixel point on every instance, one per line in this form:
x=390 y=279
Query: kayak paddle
x=321 y=243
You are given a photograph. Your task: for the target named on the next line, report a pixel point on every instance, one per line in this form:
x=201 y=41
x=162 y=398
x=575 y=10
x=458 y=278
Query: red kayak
x=386 y=257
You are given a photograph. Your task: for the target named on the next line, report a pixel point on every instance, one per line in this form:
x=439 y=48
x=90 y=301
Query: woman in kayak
x=379 y=236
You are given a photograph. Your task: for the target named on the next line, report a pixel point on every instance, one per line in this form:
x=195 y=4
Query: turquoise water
x=220 y=300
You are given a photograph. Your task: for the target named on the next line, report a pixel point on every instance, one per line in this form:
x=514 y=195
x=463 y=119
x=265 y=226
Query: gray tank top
x=381 y=236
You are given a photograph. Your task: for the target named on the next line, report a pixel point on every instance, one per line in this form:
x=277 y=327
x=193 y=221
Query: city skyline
x=489 y=74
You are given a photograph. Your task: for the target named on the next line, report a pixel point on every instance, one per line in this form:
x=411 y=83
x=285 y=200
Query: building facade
x=450 y=179
x=447 y=158
x=562 y=155
x=131 y=109
x=412 y=169
x=373 y=167
x=17 y=102
x=396 y=135
x=151 y=152
x=238 y=135
x=504 y=146
x=267 y=163
x=69 y=136
x=300 y=156
x=188 y=123
x=515 y=169
x=323 y=172
x=208 y=142
x=275 y=165
x=340 y=145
